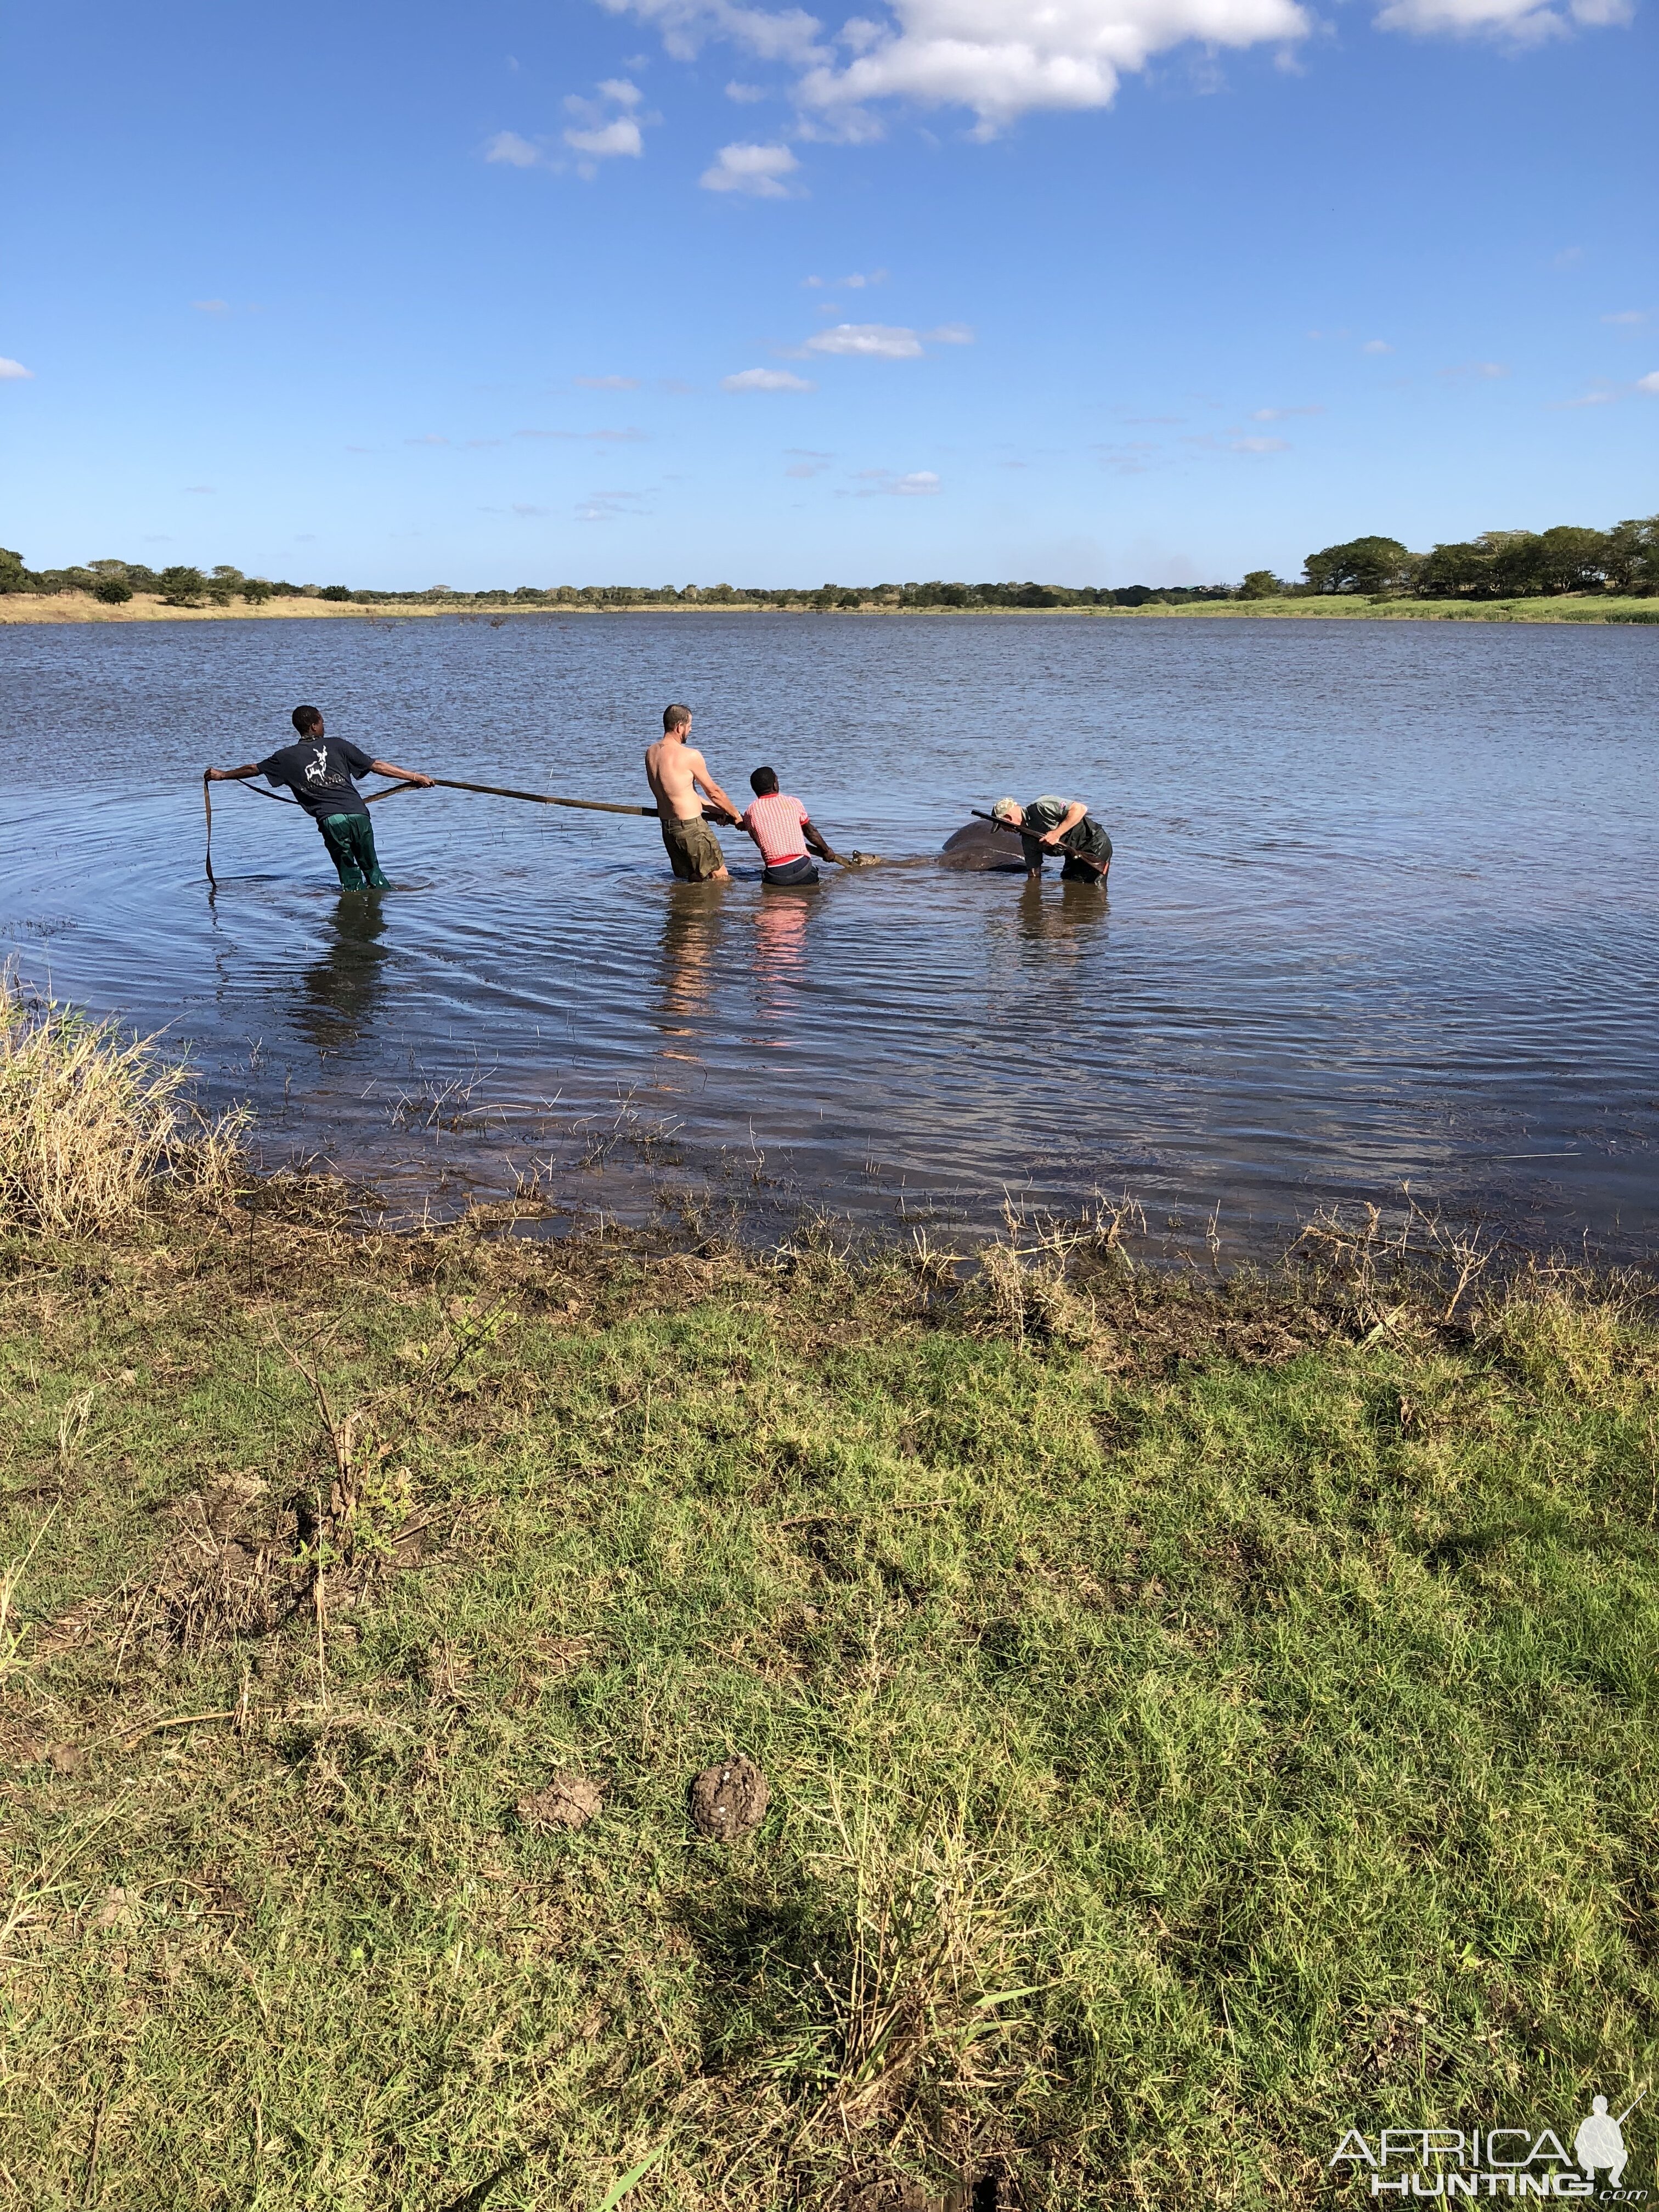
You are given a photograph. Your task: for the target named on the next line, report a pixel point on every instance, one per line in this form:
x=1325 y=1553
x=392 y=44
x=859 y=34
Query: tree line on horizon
x=1499 y=564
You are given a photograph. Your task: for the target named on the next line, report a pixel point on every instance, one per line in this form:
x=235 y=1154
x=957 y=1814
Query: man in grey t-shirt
x=318 y=770
x=1063 y=826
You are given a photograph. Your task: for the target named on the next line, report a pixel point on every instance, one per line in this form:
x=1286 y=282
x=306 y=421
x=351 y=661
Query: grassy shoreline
x=80 y=607
x=1261 y=1691
x=1199 y=1717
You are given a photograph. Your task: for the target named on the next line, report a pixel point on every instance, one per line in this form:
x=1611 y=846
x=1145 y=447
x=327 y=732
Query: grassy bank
x=1197 y=1719
x=81 y=607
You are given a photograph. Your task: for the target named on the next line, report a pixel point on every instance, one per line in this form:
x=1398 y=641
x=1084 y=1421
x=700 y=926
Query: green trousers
x=351 y=841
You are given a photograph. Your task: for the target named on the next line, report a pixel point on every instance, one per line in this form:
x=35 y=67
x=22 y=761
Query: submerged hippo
x=981 y=845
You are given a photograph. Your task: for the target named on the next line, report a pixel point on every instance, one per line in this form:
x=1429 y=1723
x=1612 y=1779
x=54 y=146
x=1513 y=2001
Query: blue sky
x=686 y=290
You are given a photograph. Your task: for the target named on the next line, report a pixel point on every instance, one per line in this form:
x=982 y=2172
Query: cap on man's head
x=1007 y=810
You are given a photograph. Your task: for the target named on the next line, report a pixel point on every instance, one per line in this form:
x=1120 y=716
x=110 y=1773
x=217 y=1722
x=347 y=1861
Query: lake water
x=1385 y=910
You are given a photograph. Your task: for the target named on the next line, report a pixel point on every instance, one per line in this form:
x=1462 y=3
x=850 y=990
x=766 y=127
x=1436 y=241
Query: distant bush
x=256 y=591
x=114 y=590
x=13 y=576
x=182 y=587
x=337 y=591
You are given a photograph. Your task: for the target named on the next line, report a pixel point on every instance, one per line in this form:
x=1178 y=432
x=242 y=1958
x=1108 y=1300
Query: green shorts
x=693 y=849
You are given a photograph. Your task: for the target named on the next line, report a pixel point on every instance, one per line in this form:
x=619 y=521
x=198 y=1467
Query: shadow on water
x=340 y=990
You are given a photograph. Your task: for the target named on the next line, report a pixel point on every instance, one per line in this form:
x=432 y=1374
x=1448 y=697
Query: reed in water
x=92 y=1123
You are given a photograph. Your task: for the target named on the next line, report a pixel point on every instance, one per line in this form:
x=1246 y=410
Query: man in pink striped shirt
x=782 y=827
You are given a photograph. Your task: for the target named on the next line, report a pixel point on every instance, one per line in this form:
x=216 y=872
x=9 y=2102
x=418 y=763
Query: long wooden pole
x=500 y=790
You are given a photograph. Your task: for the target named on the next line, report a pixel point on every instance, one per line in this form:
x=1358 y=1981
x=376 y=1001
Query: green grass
x=1191 y=1731
x=1354 y=606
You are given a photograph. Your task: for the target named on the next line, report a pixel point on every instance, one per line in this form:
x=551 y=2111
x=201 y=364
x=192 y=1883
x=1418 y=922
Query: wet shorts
x=693 y=849
x=798 y=871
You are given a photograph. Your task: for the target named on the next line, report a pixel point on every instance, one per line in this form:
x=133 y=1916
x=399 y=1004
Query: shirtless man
x=677 y=772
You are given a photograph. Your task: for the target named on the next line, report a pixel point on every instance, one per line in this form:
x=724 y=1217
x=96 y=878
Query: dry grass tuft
x=92 y=1125
x=930 y=2028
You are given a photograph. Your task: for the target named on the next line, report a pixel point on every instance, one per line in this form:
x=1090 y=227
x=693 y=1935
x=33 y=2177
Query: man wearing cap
x=1060 y=825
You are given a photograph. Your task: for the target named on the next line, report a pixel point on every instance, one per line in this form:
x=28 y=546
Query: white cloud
x=1649 y=383
x=430 y=439
x=766 y=380
x=1524 y=22
x=919 y=483
x=1589 y=399
x=1261 y=446
x=629 y=437
x=607 y=383
x=745 y=94
x=789 y=35
x=1004 y=57
x=807 y=463
x=1377 y=346
x=1628 y=315
x=517 y=153
x=13 y=372
x=205 y=490
x=1277 y=414
x=999 y=58
x=211 y=306
x=1485 y=370
x=951 y=334
x=620 y=136
x=756 y=170
x=599 y=134
x=868 y=341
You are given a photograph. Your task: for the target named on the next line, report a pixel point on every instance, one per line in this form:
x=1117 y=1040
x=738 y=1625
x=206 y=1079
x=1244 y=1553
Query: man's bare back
x=678 y=773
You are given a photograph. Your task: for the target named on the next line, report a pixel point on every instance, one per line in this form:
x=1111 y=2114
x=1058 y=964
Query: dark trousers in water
x=1080 y=871
x=790 y=872
x=1088 y=841
x=351 y=841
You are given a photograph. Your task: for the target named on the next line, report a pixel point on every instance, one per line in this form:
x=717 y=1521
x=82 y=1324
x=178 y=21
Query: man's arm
x=402 y=775
x=711 y=790
x=817 y=843
x=232 y=775
x=1069 y=820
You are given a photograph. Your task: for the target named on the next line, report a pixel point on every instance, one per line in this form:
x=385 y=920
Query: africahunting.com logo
x=1592 y=2160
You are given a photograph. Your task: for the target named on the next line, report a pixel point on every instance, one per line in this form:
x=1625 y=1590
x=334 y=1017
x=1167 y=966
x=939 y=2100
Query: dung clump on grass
x=93 y=1124
x=569 y=1800
x=728 y=1799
